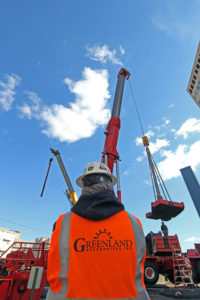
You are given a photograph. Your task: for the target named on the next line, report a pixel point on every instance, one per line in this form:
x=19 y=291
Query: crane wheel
x=151 y=273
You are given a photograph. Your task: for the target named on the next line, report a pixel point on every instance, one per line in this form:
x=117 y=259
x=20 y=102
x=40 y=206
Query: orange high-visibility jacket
x=102 y=259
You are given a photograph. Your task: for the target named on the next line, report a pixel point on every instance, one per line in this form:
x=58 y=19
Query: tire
x=198 y=268
x=196 y=272
x=195 y=275
x=151 y=273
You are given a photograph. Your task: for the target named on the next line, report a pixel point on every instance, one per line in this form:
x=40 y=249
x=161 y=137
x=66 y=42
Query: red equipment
x=110 y=154
x=194 y=256
x=164 y=209
x=15 y=269
x=164 y=257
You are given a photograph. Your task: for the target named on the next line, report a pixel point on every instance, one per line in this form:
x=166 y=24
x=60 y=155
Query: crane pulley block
x=145 y=141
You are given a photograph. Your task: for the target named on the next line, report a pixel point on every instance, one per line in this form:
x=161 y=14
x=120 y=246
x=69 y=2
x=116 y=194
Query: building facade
x=7 y=238
x=194 y=82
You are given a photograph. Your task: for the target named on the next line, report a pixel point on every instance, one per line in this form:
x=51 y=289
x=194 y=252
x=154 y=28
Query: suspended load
x=163 y=207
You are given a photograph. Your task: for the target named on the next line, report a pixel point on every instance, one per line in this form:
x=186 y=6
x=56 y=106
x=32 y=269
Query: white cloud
x=193 y=239
x=171 y=106
x=182 y=157
x=122 y=50
x=33 y=110
x=190 y=125
x=150 y=133
x=139 y=141
x=82 y=117
x=147 y=182
x=102 y=54
x=139 y=158
x=166 y=122
x=155 y=147
x=7 y=92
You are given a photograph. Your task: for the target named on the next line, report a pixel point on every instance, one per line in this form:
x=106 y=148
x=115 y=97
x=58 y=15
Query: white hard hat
x=96 y=168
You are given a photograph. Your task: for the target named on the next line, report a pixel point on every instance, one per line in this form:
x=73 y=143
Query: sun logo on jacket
x=100 y=232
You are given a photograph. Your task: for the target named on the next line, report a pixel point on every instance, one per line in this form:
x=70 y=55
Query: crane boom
x=110 y=154
x=72 y=194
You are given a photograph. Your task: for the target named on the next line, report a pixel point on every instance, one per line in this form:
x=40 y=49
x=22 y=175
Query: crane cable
x=134 y=101
x=161 y=182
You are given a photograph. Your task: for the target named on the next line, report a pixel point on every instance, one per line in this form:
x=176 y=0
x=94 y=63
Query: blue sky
x=59 y=63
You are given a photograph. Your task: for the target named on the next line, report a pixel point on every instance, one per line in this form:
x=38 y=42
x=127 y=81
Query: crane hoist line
x=163 y=207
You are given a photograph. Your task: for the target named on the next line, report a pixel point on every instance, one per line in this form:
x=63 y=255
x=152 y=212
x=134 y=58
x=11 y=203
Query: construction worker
x=97 y=249
x=164 y=229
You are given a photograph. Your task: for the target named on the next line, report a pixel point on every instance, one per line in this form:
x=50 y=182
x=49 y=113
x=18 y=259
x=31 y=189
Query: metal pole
x=106 y=159
x=123 y=73
x=34 y=284
x=50 y=161
x=63 y=170
x=72 y=193
x=118 y=96
x=118 y=181
x=153 y=172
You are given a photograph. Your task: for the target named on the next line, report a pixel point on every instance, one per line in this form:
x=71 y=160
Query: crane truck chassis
x=164 y=257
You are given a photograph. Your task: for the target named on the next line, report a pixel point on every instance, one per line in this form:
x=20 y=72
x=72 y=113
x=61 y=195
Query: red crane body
x=110 y=156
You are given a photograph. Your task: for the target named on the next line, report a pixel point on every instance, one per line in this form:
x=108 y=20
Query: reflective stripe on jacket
x=97 y=259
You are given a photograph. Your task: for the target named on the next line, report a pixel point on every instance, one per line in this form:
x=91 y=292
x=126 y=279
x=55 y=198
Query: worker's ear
x=54 y=226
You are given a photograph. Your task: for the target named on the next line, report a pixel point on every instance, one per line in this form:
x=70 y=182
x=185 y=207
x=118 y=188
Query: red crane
x=110 y=156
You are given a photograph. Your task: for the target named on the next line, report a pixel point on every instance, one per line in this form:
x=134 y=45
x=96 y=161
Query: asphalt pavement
x=164 y=293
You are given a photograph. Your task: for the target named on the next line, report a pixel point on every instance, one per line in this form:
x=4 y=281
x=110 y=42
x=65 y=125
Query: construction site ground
x=156 y=294
x=165 y=290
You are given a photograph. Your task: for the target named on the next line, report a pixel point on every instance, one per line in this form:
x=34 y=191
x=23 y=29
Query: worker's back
x=97 y=249
x=96 y=259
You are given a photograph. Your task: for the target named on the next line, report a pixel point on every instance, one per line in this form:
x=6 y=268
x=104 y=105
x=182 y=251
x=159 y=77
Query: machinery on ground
x=23 y=272
x=164 y=256
x=194 y=257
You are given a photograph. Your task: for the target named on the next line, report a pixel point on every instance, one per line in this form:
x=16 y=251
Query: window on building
x=196 y=71
x=199 y=82
x=197 y=66
x=194 y=77
x=190 y=91
x=193 y=82
x=5 y=240
x=198 y=60
x=196 y=93
x=195 y=97
x=198 y=86
x=192 y=86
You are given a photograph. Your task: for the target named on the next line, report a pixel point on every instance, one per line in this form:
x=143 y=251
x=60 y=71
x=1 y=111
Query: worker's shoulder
x=134 y=219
